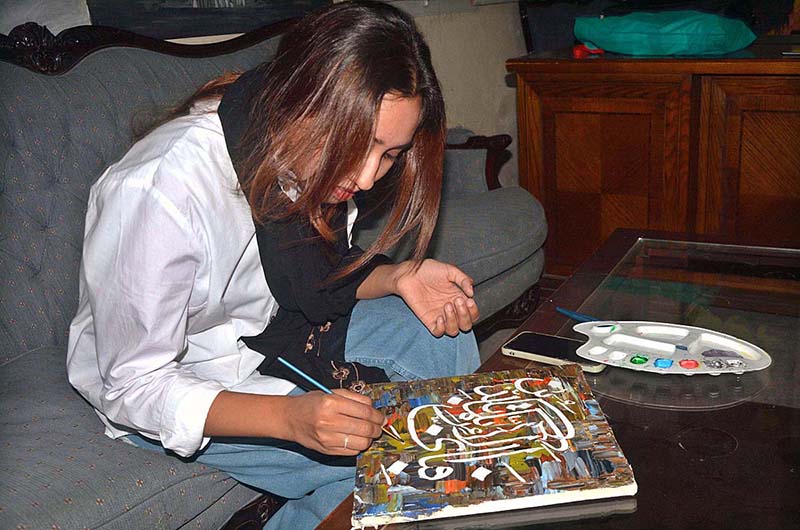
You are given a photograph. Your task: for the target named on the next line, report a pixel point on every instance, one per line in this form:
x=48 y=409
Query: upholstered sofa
x=59 y=128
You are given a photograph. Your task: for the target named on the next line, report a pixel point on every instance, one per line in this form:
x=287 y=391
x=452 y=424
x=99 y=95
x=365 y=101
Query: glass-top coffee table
x=708 y=452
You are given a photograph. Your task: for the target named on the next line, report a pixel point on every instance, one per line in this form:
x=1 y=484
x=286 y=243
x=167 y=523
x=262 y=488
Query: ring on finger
x=346 y=439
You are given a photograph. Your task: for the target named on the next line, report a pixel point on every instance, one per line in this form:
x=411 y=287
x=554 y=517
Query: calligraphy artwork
x=485 y=443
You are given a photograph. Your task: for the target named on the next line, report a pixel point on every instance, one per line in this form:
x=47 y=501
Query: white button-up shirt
x=170 y=279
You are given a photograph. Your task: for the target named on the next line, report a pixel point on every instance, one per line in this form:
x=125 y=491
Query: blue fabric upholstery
x=488 y=236
x=58 y=134
x=60 y=471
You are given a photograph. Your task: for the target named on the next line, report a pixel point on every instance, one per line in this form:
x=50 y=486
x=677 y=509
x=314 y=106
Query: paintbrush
x=325 y=389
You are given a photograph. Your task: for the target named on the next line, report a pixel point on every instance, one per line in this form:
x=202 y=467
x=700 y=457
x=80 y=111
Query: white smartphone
x=548 y=349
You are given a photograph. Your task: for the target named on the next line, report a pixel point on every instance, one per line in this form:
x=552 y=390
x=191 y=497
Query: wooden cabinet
x=749 y=166
x=685 y=145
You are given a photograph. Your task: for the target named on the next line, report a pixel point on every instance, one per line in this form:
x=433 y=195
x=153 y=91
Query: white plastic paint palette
x=668 y=348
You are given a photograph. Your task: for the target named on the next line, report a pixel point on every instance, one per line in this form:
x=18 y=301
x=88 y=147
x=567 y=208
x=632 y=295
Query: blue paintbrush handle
x=580 y=317
x=304 y=375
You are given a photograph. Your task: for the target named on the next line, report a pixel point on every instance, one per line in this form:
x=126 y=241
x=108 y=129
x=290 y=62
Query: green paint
x=638 y=359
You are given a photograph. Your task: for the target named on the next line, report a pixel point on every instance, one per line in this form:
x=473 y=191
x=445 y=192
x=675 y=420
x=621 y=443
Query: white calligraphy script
x=524 y=418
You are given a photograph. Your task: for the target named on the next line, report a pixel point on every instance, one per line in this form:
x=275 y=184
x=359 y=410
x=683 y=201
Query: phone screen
x=548 y=349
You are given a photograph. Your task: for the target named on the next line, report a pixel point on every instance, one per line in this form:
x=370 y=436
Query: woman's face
x=397 y=120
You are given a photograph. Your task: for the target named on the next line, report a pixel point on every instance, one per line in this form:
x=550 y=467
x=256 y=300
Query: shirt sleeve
x=141 y=258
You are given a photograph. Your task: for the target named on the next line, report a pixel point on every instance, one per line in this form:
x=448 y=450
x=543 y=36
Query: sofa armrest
x=472 y=163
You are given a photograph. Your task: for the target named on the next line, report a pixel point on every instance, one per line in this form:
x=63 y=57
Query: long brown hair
x=316 y=111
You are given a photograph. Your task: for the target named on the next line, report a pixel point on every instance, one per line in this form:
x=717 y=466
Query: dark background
x=550 y=22
x=170 y=19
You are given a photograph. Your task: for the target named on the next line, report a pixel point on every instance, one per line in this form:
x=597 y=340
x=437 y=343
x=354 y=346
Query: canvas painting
x=487 y=443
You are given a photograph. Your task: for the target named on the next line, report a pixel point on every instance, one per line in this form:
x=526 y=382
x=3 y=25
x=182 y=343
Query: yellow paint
x=381 y=493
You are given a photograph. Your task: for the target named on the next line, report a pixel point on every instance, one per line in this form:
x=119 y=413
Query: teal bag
x=665 y=33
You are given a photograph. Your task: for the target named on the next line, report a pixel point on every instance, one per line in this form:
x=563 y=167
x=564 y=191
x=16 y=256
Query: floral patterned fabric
x=60 y=471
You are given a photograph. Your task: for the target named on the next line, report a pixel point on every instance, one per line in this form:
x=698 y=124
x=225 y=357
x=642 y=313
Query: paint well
x=662 y=363
x=663 y=331
x=617 y=355
x=715 y=364
x=640 y=343
x=735 y=363
x=721 y=353
x=597 y=350
x=605 y=329
x=729 y=344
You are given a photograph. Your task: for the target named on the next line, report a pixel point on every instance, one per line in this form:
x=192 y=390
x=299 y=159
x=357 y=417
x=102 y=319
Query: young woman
x=222 y=239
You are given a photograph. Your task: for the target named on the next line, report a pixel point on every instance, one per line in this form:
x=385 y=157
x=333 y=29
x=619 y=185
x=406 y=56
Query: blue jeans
x=383 y=333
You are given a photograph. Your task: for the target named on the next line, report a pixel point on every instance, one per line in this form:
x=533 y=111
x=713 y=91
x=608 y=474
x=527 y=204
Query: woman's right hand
x=342 y=423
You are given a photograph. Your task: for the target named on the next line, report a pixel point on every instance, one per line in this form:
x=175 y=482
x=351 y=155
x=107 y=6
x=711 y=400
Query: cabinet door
x=603 y=152
x=749 y=166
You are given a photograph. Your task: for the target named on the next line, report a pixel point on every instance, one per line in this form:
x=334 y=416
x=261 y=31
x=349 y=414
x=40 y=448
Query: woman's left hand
x=441 y=295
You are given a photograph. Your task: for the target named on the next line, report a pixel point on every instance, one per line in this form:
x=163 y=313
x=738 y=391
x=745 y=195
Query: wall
x=469 y=50
x=469 y=44
x=55 y=14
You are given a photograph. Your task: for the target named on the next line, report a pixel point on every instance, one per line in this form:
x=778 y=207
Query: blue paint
x=385 y=400
x=419 y=401
x=376 y=509
x=662 y=363
x=593 y=406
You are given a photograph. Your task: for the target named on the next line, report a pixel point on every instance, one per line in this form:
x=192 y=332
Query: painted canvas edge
x=520 y=503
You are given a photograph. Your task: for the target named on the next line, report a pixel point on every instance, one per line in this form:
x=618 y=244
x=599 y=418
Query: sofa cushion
x=493 y=294
x=489 y=234
x=60 y=471
x=57 y=134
